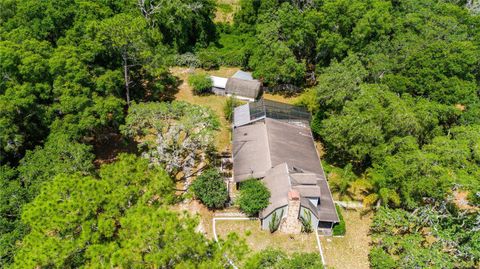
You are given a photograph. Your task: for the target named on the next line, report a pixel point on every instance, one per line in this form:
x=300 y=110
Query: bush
x=201 y=83
x=229 y=107
x=306 y=222
x=275 y=222
x=253 y=196
x=208 y=60
x=340 y=228
x=210 y=189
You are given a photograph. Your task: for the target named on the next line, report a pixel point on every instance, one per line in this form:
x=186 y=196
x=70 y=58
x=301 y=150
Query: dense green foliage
x=253 y=197
x=210 y=188
x=201 y=83
x=68 y=70
x=116 y=220
x=340 y=228
x=436 y=236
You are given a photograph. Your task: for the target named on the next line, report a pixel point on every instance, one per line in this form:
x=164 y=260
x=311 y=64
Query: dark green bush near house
x=201 y=83
x=210 y=189
x=253 y=196
x=229 y=107
x=340 y=228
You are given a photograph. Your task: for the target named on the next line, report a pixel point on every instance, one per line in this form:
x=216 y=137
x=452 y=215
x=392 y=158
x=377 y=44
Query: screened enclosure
x=279 y=111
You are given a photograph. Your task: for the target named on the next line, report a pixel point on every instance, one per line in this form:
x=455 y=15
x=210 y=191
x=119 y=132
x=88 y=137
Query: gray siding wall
x=303 y=211
x=266 y=221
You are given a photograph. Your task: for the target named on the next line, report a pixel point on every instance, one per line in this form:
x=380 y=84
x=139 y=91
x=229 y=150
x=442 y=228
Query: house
x=241 y=84
x=273 y=142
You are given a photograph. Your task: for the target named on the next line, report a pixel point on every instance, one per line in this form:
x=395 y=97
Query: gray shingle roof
x=243 y=75
x=284 y=155
x=243 y=88
x=278 y=183
x=251 y=155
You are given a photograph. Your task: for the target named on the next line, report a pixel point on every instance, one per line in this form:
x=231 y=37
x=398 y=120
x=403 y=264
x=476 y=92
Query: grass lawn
x=350 y=251
x=280 y=98
x=214 y=102
x=258 y=239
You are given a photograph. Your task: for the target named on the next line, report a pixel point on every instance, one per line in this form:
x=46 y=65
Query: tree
x=75 y=212
x=183 y=24
x=420 y=239
x=178 y=136
x=135 y=47
x=210 y=188
x=253 y=197
x=12 y=197
x=359 y=133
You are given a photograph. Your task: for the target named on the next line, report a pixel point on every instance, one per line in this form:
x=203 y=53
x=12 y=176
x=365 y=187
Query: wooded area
x=393 y=87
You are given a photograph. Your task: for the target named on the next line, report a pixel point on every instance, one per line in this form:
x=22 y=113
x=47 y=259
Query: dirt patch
x=350 y=251
x=226 y=10
x=460 y=198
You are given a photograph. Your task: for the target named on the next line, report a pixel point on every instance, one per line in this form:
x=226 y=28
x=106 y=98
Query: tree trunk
x=127 y=79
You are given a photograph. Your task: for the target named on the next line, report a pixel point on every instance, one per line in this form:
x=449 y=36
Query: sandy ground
x=258 y=239
x=350 y=251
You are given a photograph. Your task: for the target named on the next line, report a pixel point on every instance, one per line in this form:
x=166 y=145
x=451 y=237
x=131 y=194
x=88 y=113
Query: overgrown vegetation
x=229 y=107
x=210 y=188
x=201 y=83
x=339 y=229
x=253 y=196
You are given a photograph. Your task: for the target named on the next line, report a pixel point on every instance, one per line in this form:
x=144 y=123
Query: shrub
x=306 y=222
x=210 y=189
x=201 y=83
x=380 y=259
x=253 y=196
x=188 y=59
x=340 y=228
x=229 y=107
x=208 y=60
x=275 y=222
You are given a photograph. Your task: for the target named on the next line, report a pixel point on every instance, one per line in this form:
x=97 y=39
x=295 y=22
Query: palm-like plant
x=341 y=183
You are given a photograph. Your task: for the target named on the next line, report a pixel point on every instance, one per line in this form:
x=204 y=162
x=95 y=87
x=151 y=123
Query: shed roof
x=219 y=82
x=244 y=88
x=243 y=75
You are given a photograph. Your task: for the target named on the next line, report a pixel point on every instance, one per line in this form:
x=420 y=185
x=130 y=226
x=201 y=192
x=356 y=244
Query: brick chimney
x=291 y=223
